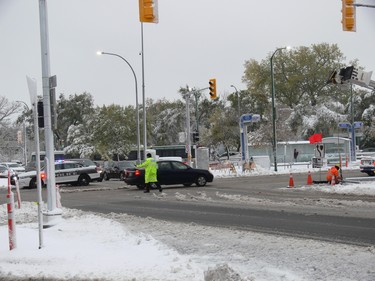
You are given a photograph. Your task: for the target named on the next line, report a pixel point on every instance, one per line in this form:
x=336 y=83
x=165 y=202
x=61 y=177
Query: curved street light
x=238 y=101
x=24 y=129
x=136 y=100
x=274 y=144
x=239 y=110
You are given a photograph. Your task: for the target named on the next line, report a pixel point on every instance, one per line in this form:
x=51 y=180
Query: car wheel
x=122 y=176
x=141 y=186
x=371 y=174
x=83 y=180
x=201 y=181
x=105 y=176
x=32 y=183
x=187 y=184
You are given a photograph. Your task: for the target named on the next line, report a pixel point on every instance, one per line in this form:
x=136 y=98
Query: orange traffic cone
x=291 y=181
x=346 y=160
x=333 y=181
x=309 y=179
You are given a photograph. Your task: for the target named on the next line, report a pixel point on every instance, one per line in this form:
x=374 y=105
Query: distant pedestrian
x=295 y=154
x=333 y=172
x=151 y=169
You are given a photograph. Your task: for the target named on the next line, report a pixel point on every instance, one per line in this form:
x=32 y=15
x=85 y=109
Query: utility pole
x=188 y=139
x=52 y=211
x=187 y=97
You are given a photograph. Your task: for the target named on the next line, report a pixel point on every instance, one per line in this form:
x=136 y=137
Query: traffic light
x=212 y=88
x=148 y=11
x=40 y=114
x=346 y=73
x=195 y=137
x=348 y=15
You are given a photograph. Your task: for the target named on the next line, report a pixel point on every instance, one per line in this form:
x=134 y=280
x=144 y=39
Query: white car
x=18 y=168
x=66 y=172
x=5 y=171
x=368 y=165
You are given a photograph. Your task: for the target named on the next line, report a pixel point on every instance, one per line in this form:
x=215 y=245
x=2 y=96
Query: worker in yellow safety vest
x=151 y=169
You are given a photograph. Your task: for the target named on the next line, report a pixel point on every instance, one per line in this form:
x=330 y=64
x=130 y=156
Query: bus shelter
x=335 y=148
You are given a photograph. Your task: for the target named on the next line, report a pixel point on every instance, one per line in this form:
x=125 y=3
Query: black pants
x=149 y=185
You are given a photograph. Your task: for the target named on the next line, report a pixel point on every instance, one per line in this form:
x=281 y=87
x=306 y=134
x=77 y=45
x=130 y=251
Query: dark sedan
x=116 y=170
x=170 y=172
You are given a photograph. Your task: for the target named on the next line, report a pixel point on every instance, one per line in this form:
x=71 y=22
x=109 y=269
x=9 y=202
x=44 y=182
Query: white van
x=59 y=155
x=172 y=158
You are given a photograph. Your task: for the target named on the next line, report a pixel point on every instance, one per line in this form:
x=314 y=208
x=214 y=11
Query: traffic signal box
x=346 y=73
x=212 y=88
x=348 y=15
x=40 y=114
x=195 y=137
x=148 y=11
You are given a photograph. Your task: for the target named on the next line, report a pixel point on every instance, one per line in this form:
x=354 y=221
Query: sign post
x=244 y=120
x=351 y=128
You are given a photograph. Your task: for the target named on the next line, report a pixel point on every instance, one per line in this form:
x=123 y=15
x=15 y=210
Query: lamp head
x=99 y=53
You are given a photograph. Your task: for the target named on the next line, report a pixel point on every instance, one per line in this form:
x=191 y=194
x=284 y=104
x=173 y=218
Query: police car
x=66 y=172
x=368 y=165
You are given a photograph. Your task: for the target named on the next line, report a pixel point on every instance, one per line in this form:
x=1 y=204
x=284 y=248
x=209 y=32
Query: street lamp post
x=24 y=130
x=239 y=110
x=238 y=101
x=274 y=141
x=136 y=101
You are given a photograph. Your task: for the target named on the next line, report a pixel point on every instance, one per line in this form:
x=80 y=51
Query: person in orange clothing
x=334 y=171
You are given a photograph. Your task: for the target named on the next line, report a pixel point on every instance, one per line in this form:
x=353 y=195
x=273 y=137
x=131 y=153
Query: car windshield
x=14 y=165
x=126 y=164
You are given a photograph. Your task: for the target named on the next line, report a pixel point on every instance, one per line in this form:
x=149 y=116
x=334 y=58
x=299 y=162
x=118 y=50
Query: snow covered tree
x=115 y=131
x=300 y=78
x=75 y=111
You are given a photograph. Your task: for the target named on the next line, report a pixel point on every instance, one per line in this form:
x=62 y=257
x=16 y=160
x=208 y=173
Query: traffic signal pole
x=364 y=5
x=188 y=138
x=52 y=212
x=187 y=97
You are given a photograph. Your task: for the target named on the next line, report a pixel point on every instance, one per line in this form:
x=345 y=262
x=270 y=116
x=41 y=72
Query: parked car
x=367 y=165
x=18 y=168
x=5 y=171
x=89 y=163
x=66 y=172
x=170 y=172
x=116 y=170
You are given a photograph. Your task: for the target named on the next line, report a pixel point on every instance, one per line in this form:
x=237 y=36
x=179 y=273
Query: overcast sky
x=194 y=41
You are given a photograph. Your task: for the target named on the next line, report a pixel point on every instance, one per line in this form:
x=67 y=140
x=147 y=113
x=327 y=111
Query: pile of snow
x=86 y=246
x=89 y=246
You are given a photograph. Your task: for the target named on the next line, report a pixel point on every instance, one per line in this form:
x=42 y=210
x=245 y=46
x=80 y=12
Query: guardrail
x=290 y=165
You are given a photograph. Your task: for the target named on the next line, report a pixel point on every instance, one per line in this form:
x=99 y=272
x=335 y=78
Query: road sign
x=357 y=124
x=344 y=125
x=250 y=118
x=319 y=150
